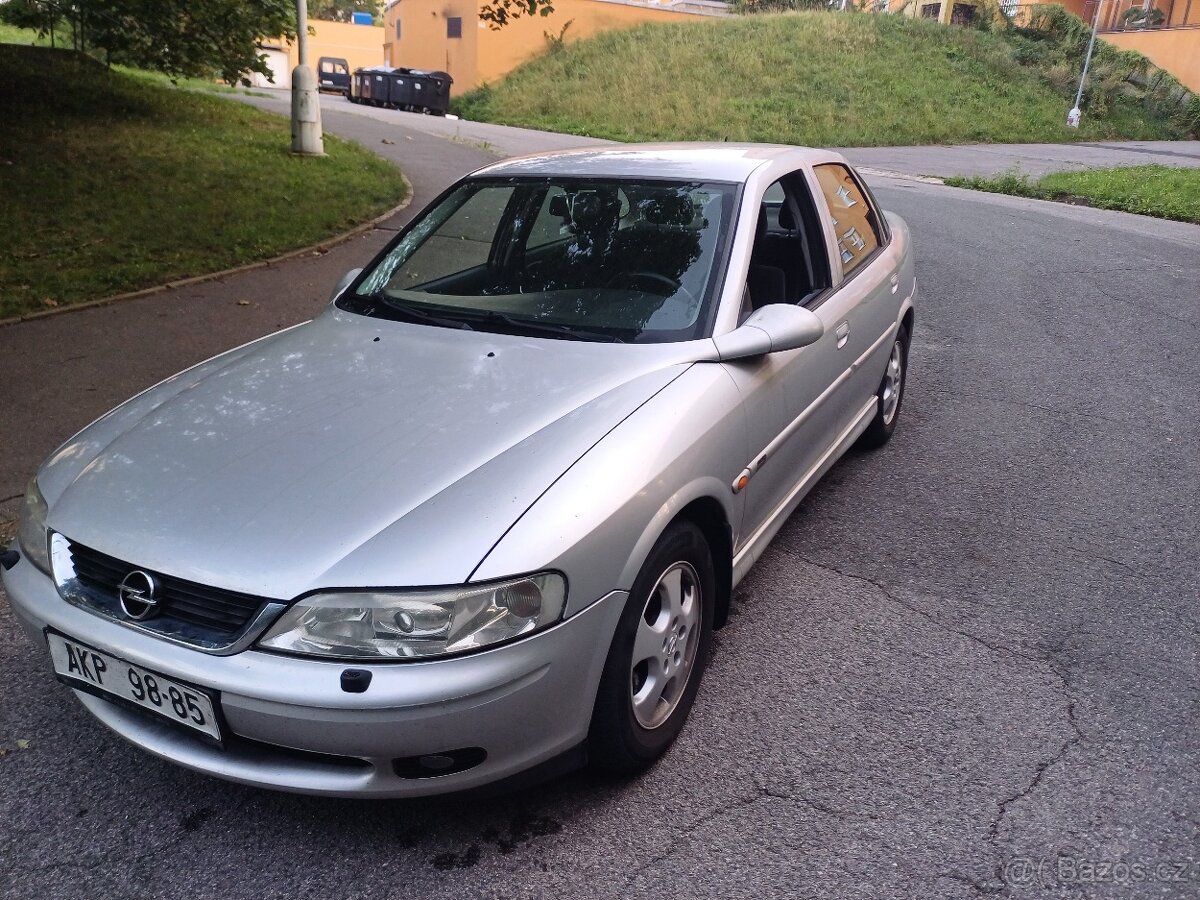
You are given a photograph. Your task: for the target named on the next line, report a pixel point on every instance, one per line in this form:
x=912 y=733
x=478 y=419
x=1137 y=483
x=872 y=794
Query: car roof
x=685 y=161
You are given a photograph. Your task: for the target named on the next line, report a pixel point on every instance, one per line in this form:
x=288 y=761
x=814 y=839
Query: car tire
x=890 y=395
x=642 y=704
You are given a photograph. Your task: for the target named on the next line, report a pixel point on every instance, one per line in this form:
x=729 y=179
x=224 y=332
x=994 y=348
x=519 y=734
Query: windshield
x=583 y=258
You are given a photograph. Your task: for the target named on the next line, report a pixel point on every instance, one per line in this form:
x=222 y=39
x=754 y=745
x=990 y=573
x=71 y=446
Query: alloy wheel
x=893 y=383
x=664 y=648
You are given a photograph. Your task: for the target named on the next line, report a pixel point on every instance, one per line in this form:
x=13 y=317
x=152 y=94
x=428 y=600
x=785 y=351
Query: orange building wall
x=423 y=43
x=359 y=45
x=482 y=55
x=1082 y=8
x=1177 y=51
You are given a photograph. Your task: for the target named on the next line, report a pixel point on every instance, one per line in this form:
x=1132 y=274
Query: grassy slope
x=11 y=35
x=808 y=78
x=1161 y=191
x=112 y=183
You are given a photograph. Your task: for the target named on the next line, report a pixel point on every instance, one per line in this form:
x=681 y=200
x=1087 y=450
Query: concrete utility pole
x=306 y=101
x=1074 y=114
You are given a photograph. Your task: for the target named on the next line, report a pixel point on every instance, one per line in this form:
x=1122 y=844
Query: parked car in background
x=482 y=515
x=333 y=75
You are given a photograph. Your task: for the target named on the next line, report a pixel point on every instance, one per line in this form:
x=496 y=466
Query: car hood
x=346 y=452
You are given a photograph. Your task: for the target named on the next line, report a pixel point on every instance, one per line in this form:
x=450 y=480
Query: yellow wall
x=359 y=45
x=1177 y=51
x=1175 y=12
x=912 y=8
x=423 y=43
x=1081 y=8
x=481 y=54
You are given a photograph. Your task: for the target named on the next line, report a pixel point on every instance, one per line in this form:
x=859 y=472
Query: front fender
x=598 y=522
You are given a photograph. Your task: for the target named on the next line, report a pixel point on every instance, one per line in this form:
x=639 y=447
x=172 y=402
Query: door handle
x=843 y=334
x=895 y=282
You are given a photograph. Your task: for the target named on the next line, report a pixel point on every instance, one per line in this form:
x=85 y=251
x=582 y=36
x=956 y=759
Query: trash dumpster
x=431 y=92
x=370 y=85
x=400 y=88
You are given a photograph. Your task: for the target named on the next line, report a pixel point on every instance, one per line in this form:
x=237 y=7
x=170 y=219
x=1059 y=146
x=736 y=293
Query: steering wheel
x=632 y=278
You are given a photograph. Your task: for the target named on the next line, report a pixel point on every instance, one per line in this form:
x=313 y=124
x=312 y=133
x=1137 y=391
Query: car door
x=784 y=392
x=862 y=310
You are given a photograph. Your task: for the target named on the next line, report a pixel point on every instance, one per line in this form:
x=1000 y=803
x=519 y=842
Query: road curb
x=327 y=244
x=899 y=176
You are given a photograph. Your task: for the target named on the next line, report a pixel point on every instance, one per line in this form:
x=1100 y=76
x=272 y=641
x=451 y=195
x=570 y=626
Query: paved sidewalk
x=934 y=161
x=1031 y=159
x=500 y=140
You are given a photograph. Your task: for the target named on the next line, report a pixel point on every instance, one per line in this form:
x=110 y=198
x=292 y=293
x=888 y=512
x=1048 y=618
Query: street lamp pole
x=306 y=101
x=1074 y=114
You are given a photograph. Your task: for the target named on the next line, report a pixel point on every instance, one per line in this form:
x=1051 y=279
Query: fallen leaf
x=243 y=303
x=49 y=301
x=387 y=141
x=22 y=744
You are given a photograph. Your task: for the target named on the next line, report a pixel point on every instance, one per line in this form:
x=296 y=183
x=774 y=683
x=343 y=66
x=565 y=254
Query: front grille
x=213 y=614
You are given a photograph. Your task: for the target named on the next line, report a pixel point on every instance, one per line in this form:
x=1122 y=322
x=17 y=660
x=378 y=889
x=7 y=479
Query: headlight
x=413 y=624
x=31 y=529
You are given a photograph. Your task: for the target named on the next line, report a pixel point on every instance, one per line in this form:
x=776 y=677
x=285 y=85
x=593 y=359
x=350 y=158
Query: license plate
x=98 y=672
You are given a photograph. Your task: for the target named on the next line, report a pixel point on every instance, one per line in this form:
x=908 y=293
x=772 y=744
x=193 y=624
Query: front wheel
x=890 y=395
x=657 y=656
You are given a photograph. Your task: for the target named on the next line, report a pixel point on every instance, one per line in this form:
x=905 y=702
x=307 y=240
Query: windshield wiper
x=528 y=326
x=409 y=312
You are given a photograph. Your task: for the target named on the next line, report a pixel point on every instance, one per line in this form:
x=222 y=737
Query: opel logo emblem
x=137 y=594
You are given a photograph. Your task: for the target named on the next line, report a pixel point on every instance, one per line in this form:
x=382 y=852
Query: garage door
x=281 y=71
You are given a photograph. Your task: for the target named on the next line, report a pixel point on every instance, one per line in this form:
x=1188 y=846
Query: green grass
x=110 y=182
x=188 y=84
x=1161 y=191
x=11 y=35
x=808 y=78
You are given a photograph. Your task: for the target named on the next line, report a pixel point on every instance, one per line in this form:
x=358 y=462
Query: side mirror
x=343 y=283
x=769 y=329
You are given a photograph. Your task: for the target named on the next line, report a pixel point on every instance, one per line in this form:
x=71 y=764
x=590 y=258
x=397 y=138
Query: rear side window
x=855 y=221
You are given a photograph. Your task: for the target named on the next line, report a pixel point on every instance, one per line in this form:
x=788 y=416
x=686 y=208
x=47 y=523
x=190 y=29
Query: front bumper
x=290 y=725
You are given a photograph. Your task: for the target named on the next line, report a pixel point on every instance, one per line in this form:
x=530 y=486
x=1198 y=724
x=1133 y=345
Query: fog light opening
x=432 y=765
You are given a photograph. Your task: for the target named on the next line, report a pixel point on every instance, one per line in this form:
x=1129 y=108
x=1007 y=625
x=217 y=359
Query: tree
x=498 y=13
x=343 y=10
x=183 y=38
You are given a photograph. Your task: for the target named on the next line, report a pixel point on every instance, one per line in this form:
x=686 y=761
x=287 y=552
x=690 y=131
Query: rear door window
x=856 y=222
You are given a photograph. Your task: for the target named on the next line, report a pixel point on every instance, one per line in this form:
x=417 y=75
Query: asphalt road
x=967 y=666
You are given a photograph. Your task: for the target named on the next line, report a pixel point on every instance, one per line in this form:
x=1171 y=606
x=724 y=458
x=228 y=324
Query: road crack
x=982 y=888
x=1088 y=554
x=1025 y=404
x=1047 y=658
x=918 y=611
x=761 y=794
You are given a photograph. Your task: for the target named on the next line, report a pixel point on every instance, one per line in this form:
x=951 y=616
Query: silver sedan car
x=480 y=518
